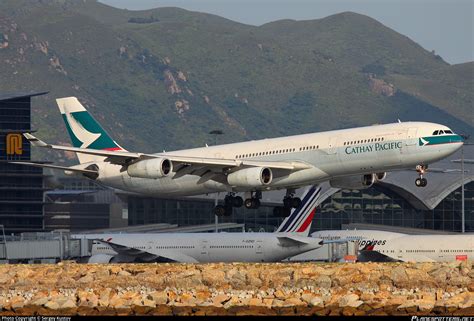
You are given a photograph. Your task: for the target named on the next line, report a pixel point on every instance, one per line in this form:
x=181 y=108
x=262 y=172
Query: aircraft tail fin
x=84 y=130
x=300 y=219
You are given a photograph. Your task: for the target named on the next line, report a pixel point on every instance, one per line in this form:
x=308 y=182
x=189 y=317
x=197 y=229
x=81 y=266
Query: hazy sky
x=445 y=26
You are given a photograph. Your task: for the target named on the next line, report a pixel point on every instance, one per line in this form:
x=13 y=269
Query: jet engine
x=250 y=177
x=151 y=168
x=354 y=182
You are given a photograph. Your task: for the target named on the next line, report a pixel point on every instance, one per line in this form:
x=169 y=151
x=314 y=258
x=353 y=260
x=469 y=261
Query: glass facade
x=21 y=187
x=375 y=205
x=196 y=212
x=76 y=216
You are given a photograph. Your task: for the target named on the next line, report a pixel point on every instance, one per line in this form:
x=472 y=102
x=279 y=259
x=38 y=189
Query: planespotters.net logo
x=416 y=318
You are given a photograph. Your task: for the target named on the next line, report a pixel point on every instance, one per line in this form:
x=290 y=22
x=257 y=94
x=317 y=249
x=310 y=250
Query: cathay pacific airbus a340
x=349 y=158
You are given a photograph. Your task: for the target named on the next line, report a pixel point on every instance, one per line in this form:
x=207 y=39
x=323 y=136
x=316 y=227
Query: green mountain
x=163 y=78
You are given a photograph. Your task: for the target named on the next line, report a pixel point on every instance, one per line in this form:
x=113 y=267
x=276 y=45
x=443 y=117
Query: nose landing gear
x=421 y=181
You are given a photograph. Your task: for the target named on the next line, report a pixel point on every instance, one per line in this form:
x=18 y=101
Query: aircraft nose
x=457 y=142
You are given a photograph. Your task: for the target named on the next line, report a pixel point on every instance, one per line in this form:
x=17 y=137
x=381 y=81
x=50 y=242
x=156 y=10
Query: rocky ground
x=238 y=289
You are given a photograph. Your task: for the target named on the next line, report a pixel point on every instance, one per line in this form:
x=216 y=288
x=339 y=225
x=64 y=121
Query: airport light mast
x=216 y=133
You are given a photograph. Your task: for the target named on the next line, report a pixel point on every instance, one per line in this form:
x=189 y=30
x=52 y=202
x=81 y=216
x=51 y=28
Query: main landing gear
x=230 y=201
x=289 y=202
x=254 y=201
x=420 y=181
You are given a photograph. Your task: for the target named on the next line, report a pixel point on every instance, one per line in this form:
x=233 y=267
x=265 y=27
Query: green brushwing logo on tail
x=437 y=140
x=85 y=132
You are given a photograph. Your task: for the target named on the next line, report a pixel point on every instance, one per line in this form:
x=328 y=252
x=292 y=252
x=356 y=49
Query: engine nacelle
x=151 y=168
x=380 y=176
x=353 y=182
x=251 y=177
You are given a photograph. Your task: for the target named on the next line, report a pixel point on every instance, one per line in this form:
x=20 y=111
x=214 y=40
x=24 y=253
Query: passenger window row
x=176 y=247
x=363 y=141
x=231 y=246
x=274 y=152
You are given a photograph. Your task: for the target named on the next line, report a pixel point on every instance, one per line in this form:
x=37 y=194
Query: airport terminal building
x=21 y=187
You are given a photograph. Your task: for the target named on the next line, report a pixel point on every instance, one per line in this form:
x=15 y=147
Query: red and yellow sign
x=14 y=144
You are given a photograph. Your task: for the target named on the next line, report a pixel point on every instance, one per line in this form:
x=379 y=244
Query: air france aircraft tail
x=84 y=130
x=300 y=220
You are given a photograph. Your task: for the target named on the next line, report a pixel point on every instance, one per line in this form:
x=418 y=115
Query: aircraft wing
x=72 y=169
x=125 y=158
x=145 y=256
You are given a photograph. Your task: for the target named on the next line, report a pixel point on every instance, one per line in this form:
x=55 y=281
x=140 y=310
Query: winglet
x=34 y=141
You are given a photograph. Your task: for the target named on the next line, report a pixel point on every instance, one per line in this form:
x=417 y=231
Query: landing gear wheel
x=248 y=203
x=238 y=201
x=252 y=203
x=220 y=210
x=421 y=182
x=233 y=201
x=296 y=202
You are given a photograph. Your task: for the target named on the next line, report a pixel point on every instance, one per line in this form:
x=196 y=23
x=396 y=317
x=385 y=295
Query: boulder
x=53 y=305
x=159 y=297
x=399 y=276
x=220 y=299
x=293 y=302
x=323 y=281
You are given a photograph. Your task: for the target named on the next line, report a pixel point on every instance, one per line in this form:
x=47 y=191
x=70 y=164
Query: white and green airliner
x=349 y=158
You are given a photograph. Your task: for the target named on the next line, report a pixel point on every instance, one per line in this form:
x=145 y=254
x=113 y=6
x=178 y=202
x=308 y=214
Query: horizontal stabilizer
x=34 y=141
x=288 y=241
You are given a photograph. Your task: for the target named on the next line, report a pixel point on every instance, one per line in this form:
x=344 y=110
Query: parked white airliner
x=290 y=239
x=388 y=246
x=349 y=158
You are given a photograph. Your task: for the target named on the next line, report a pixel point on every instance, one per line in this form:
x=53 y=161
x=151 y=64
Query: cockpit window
x=435 y=132
x=448 y=132
x=441 y=132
